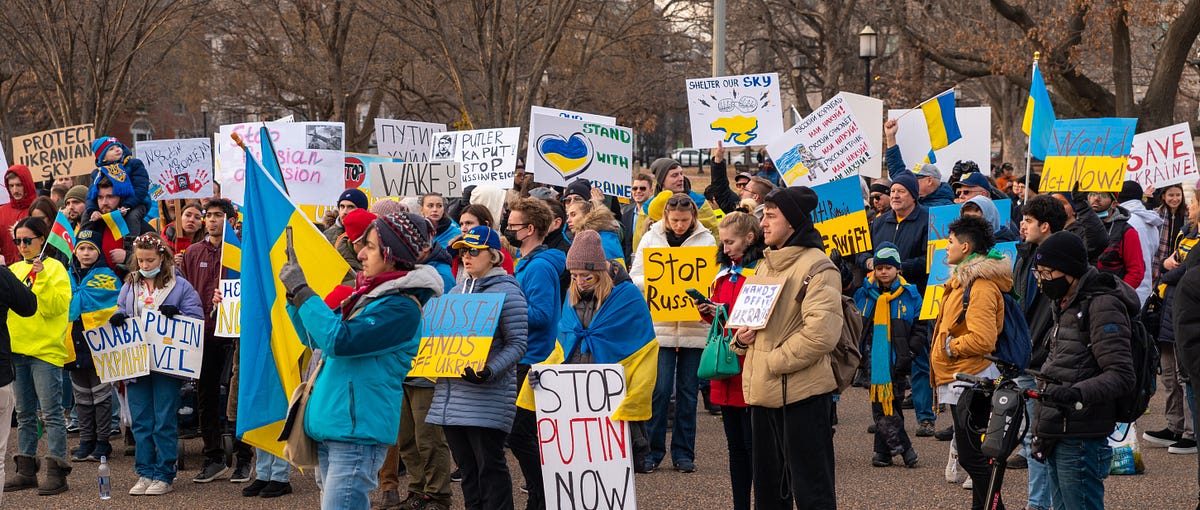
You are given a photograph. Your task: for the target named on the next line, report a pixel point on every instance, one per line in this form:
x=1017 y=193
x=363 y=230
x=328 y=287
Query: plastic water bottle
x=105 y=486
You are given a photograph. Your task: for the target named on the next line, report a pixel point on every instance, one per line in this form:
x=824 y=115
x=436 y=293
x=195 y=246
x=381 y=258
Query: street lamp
x=867 y=50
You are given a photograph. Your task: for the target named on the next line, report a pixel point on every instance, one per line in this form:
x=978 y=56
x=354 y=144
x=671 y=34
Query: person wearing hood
x=366 y=349
x=490 y=197
x=21 y=192
x=350 y=200
x=1089 y=362
x=983 y=206
x=477 y=410
x=1146 y=224
x=680 y=342
x=669 y=176
x=1083 y=222
x=1123 y=255
x=433 y=208
x=130 y=182
x=932 y=190
x=587 y=215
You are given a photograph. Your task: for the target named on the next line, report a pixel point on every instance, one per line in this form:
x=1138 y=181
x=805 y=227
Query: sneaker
x=1017 y=461
x=945 y=434
x=881 y=460
x=907 y=403
x=871 y=428
x=1161 y=438
x=139 y=488
x=952 y=468
x=456 y=476
x=275 y=489
x=968 y=484
x=644 y=467
x=241 y=473
x=158 y=488
x=925 y=428
x=525 y=489
x=212 y=470
x=73 y=428
x=253 y=489
x=1184 y=446
x=687 y=466
x=910 y=458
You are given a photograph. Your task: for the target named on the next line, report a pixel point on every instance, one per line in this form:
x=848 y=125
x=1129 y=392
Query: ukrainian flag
x=941 y=120
x=1039 y=116
x=271 y=355
x=116 y=225
x=231 y=253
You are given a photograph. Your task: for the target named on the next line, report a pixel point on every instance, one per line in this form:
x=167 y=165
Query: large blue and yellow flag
x=941 y=120
x=1039 y=116
x=231 y=253
x=271 y=355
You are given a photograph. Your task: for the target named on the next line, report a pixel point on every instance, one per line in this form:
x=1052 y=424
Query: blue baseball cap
x=974 y=179
x=479 y=238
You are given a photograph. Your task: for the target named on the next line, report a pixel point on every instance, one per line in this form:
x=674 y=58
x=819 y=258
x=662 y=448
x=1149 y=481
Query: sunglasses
x=474 y=252
x=877 y=196
x=26 y=241
x=680 y=202
x=741 y=185
x=575 y=198
x=967 y=193
x=641 y=188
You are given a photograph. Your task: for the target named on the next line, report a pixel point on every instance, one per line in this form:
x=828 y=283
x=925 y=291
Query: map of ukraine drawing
x=738 y=129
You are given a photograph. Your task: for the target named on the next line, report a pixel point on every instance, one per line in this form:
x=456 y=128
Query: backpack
x=1144 y=351
x=1014 y=344
x=845 y=357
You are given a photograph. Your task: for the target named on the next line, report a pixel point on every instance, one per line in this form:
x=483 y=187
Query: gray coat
x=493 y=403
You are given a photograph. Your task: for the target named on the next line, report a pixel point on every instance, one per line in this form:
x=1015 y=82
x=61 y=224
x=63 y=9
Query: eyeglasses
x=1044 y=274
x=574 y=198
x=26 y=241
x=518 y=226
x=584 y=278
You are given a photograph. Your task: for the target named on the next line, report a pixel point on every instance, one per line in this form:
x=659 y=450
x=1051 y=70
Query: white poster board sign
x=974 y=122
x=823 y=147
x=312 y=156
x=534 y=111
x=229 y=310
x=179 y=169
x=737 y=110
x=586 y=455
x=176 y=345
x=1163 y=156
x=416 y=179
x=753 y=310
x=869 y=112
x=488 y=156
x=406 y=139
x=567 y=149
x=118 y=353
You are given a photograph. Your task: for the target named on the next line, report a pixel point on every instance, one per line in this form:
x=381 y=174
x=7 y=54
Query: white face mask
x=151 y=273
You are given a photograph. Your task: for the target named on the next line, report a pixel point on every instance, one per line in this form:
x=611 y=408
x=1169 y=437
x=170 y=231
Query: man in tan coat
x=787 y=378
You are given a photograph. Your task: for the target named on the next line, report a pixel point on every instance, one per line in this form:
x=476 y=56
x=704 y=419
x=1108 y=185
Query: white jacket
x=692 y=334
x=1146 y=223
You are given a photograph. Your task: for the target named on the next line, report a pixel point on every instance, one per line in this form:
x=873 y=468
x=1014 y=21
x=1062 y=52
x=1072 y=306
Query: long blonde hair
x=603 y=287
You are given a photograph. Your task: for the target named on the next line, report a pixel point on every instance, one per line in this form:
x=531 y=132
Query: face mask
x=1055 y=288
x=151 y=273
x=511 y=236
x=1103 y=214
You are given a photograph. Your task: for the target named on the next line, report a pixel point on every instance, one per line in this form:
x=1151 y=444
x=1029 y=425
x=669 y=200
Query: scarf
x=364 y=286
x=676 y=241
x=881 y=344
x=118 y=173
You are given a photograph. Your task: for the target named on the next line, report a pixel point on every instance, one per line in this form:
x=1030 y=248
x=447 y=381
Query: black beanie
x=1130 y=190
x=1065 y=252
x=797 y=203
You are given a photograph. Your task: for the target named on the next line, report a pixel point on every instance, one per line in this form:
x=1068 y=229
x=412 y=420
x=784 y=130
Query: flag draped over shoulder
x=94 y=298
x=941 y=120
x=1039 y=116
x=271 y=355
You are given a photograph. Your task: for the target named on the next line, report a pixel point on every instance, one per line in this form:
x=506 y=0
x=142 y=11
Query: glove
x=1062 y=394
x=292 y=276
x=118 y=319
x=169 y=311
x=480 y=377
x=535 y=379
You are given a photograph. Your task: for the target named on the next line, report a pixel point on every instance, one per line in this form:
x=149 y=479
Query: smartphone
x=698 y=296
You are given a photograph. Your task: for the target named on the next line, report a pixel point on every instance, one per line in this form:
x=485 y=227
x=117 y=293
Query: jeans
x=793 y=455
x=922 y=392
x=154 y=407
x=676 y=372
x=741 y=466
x=523 y=442
x=1077 y=469
x=423 y=449
x=1039 y=484
x=271 y=468
x=479 y=453
x=7 y=403
x=38 y=382
x=347 y=473
x=93 y=401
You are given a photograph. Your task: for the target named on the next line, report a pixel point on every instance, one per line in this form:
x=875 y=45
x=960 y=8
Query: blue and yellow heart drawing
x=569 y=157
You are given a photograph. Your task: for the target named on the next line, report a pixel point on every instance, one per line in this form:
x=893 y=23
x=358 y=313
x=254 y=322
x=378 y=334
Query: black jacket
x=718 y=189
x=1089 y=227
x=1038 y=313
x=14 y=296
x=1096 y=361
x=1187 y=319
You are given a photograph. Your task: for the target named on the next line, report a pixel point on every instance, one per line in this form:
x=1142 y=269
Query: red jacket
x=728 y=392
x=202 y=268
x=14 y=211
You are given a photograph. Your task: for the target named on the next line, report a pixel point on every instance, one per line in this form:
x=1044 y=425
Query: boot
x=26 y=474
x=55 y=482
x=103 y=449
x=85 y=449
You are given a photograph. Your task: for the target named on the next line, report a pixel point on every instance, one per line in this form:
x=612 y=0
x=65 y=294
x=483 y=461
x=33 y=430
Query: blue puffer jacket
x=943 y=195
x=492 y=404
x=537 y=274
x=356 y=396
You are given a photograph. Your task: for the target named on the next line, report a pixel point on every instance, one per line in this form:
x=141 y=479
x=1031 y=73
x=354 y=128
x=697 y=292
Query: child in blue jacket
x=129 y=178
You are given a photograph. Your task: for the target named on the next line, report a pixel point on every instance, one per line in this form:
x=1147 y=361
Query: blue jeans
x=676 y=372
x=271 y=468
x=1077 y=470
x=153 y=406
x=922 y=392
x=39 y=383
x=347 y=473
x=1039 y=487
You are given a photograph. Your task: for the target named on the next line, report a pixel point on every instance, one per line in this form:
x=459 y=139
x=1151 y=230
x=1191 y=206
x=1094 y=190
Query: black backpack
x=1144 y=351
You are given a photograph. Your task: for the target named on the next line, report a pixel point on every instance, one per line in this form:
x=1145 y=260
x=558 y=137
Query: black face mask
x=511 y=236
x=1055 y=288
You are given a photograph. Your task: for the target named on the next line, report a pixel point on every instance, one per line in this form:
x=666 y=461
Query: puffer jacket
x=491 y=404
x=537 y=274
x=1169 y=283
x=16 y=300
x=44 y=334
x=791 y=355
x=974 y=336
x=1097 y=362
x=1038 y=313
x=356 y=396
x=688 y=334
x=1187 y=319
x=908 y=335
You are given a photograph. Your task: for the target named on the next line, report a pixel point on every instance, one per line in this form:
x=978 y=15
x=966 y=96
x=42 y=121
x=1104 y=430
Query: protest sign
x=568 y=149
x=406 y=139
x=825 y=146
x=118 y=353
x=670 y=272
x=869 y=113
x=1089 y=152
x=3 y=164
x=535 y=111
x=1163 y=156
x=975 y=123
x=176 y=344
x=736 y=110
x=311 y=156
x=229 y=310
x=755 y=302
x=586 y=455
x=179 y=169
x=936 y=266
x=416 y=179
x=457 y=333
x=357 y=176
x=59 y=152
x=841 y=218
x=488 y=156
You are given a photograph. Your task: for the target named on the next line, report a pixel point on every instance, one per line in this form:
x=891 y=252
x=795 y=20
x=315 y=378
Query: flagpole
x=1029 y=144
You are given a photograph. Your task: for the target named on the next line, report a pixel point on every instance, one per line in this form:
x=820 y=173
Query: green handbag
x=718 y=361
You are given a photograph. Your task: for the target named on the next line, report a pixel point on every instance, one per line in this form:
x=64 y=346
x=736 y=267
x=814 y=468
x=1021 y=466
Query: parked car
x=694 y=157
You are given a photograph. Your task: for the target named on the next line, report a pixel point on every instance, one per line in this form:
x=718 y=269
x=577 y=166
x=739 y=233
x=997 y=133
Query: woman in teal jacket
x=365 y=352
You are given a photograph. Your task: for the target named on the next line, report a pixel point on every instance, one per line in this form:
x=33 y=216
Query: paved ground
x=1170 y=480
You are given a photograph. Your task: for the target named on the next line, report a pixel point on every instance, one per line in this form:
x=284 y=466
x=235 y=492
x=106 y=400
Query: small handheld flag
x=941 y=120
x=62 y=236
x=116 y=225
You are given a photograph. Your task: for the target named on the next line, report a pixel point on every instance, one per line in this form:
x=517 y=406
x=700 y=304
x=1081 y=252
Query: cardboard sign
x=59 y=152
x=755 y=302
x=416 y=179
x=457 y=333
x=568 y=149
x=670 y=272
x=737 y=110
x=488 y=156
x=975 y=123
x=229 y=310
x=1089 y=152
x=1163 y=156
x=841 y=218
x=311 y=155
x=869 y=113
x=176 y=345
x=586 y=455
x=179 y=169
x=406 y=139
x=119 y=353
x=826 y=146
